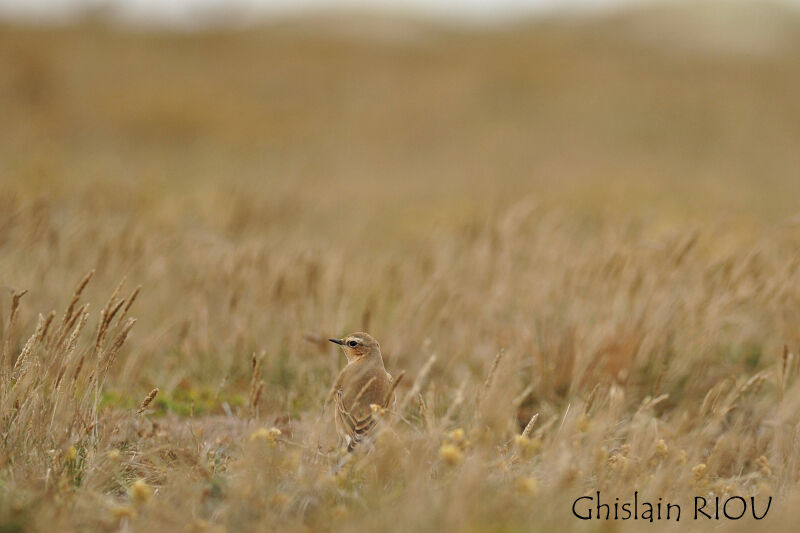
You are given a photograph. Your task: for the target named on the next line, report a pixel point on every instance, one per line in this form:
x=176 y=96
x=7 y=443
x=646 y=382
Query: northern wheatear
x=362 y=387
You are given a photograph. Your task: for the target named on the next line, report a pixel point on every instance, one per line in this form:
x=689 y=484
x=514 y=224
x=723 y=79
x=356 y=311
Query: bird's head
x=358 y=345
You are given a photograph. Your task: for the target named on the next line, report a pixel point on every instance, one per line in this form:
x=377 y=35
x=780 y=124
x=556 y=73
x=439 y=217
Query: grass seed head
x=699 y=471
x=141 y=492
x=451 y=454
x=527 y=485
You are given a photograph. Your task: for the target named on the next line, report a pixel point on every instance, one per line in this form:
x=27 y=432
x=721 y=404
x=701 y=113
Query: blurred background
x=611 y=104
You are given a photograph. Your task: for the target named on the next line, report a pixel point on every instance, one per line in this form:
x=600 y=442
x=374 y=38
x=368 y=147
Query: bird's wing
x=357 y=427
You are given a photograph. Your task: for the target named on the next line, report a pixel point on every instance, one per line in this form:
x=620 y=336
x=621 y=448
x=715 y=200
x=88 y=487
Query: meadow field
x=579 y=239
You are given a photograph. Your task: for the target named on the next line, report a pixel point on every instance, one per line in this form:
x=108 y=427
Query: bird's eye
x=352 y=344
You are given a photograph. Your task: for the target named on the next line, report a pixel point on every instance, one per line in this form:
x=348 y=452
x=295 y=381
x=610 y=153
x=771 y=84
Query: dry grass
x=586 y=265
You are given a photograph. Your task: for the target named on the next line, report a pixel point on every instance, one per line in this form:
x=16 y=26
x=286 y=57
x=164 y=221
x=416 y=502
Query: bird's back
x=364 y=383
x=361 y=384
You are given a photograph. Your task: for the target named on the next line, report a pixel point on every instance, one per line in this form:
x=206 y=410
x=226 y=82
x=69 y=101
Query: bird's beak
x=337 y=341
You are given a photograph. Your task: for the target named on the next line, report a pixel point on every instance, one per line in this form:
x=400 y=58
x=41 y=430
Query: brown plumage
x=362 y=384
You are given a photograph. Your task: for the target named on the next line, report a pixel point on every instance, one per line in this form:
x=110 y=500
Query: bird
x=362 y=388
